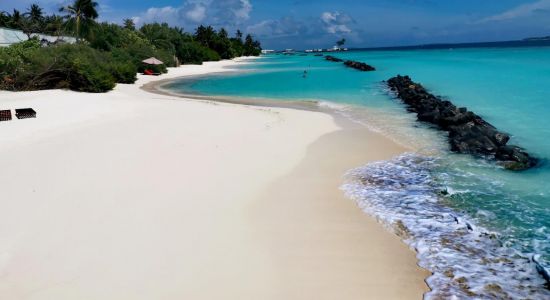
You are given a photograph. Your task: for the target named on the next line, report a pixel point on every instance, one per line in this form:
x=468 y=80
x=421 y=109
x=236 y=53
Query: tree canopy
x=105 y=53
x=80 y=15
x=341 y=42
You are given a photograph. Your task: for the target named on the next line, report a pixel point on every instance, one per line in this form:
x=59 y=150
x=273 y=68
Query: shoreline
x=382 y=267
x=350 y=135
x=156 y=87
x=156 y=148
x=441 y=281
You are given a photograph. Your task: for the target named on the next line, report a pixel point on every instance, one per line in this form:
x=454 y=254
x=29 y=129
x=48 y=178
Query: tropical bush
x=195 y=53
x=28 y=66
x=123 y=72
x=105 y=53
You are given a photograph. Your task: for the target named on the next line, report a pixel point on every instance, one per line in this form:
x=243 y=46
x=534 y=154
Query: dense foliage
x=29 y=66
x=105 y=53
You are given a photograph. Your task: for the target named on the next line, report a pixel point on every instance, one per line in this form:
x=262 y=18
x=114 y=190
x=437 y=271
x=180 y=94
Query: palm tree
x=223 y=34
x=341 y=43
x=81 y=12
x=15 y=19
x=4 y=19
x=54 y=25
x=32 y=21
x=34 y=13
x=205 y=35
x=129 y=24
x=156 y=34
x=239 y=35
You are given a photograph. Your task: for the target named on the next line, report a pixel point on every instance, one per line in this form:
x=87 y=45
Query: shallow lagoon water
x=461 y=210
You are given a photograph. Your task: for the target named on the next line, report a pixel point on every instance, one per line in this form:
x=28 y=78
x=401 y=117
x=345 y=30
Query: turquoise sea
x=484 y=232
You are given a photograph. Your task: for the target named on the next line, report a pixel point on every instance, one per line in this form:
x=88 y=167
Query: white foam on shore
x=467 y=261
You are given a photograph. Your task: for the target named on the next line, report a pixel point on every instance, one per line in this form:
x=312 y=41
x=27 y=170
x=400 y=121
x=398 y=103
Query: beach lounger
x=5 y=115
x=25 y=113
x=150 y=73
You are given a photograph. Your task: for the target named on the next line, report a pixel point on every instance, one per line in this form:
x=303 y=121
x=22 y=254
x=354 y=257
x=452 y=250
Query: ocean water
x=484 y=232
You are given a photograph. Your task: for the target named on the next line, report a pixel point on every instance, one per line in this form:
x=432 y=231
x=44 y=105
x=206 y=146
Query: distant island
x=528 y=42
x=534 y=39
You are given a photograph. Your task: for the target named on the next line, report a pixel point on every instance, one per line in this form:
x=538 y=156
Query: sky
x=304 y=24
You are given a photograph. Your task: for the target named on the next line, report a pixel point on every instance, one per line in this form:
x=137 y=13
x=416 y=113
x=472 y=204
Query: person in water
x=305 y=74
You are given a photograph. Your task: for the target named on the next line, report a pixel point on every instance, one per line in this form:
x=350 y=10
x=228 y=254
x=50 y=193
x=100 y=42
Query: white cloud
x=222 y=13
x=230 y=12
x=521 y=11
x=167 y=14
x=263 y=28
x=136 y=20
x=336 y=22
x=243 y=10
x=284 y=27
x=338 y=29
x=197 y=13
x=328 y=17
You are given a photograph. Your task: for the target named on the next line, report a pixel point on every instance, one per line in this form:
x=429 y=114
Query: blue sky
x=310 y=24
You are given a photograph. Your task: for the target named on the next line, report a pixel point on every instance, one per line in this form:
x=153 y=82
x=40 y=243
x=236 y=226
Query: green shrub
x=166 y=57
x=93 y=80
x=210 y=55
x=11 y=61
x=77 y=67
x=124 y=72
x=114 y=54
x=132 y=47
x=89 y=69
x=195 y=53
x=135 y=54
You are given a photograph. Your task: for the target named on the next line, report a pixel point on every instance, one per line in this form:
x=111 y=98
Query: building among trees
x=11 y=36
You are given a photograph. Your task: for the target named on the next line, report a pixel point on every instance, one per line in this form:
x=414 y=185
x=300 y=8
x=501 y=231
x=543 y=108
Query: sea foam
x=467 y=260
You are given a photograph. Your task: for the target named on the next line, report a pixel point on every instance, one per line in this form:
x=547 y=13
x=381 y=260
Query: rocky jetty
x=334 y=59
x=468 y=132
x=359 y=66
x=352 y=64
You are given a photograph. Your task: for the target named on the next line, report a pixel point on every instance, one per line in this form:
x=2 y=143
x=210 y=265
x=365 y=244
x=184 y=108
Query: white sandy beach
x=134 y=195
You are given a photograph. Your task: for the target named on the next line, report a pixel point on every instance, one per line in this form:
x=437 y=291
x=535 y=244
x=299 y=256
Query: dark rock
x=501 y=138
x=359 y=66
x=334 y=59
x=514 y=157
x=468 y=132
x=352 y=64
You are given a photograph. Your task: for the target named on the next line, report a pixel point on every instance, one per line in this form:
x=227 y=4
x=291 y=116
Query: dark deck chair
x=5 y=115
x=25 y=113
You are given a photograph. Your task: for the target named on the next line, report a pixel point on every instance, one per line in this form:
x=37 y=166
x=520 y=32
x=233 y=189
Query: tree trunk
x=78 y=26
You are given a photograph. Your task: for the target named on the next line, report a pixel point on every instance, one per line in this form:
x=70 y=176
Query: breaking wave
x=408 y=194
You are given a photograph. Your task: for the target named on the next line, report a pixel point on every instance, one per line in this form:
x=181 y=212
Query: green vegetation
x=105 y=53
x=341 y=43
x=80 y=16
x=29 y=66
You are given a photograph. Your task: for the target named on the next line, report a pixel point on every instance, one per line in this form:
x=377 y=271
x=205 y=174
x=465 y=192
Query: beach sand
x=133 y=195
